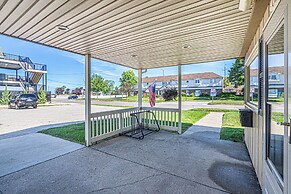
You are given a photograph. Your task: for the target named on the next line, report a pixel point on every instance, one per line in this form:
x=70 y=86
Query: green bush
x=41 y=97
x=191 y=95
x=5 y=96
x=183 y=94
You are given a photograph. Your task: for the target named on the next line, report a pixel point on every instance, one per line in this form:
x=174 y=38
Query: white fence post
x=139 y=84
x=180 y=98
x=88 y=141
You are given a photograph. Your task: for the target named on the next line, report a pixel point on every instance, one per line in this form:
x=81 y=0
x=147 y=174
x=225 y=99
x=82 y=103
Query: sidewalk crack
x=126 y=184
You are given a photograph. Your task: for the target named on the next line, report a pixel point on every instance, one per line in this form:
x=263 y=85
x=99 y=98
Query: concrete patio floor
x=163 y=162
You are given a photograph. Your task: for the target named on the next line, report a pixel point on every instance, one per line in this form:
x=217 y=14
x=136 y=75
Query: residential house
x=276 y=81
x=19 y=73
x=195 y=83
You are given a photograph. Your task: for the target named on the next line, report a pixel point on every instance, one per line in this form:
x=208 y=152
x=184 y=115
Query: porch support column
x=180 y=98
x=88 y=99
x=139 y=86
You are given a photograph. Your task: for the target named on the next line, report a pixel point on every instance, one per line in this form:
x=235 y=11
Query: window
x=272 y=77
x=253 y=82
x=275 y=132
x=197 y=81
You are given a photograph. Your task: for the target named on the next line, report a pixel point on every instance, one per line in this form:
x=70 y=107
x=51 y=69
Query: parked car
x=23 y=100
x=72 y=97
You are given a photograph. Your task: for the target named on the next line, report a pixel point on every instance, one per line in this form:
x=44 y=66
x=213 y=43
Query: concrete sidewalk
x=20 y=152
x=195 y=162
x=211 y=122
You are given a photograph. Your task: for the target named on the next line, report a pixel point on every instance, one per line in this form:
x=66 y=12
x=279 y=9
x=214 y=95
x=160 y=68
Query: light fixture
x=62 y=27
x=245 y=5
x=186 y=46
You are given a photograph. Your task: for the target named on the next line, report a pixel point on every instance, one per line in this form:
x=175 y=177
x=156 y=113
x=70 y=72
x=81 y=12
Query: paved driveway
x=12 y=120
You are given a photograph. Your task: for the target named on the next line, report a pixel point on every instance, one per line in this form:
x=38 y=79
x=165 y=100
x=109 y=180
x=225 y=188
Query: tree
x=97 y=83
x=41 y=96
x=236 y=73
x=59 y=91
x=77 y=91
x=5 y=96
x=127 y=81
x=115 y=91
x=67 y=91
x=25 y=91
x=108 y=86
x=226 y=82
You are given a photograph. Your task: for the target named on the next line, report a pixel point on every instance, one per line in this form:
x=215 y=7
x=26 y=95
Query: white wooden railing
x=110 y=123
x=167 y=118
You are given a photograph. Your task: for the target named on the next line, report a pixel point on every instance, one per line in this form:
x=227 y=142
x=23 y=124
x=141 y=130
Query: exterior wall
x=254 y=142
x=255 y=137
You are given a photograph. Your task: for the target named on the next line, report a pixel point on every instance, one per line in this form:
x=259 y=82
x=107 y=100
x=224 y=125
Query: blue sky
x=65 y=68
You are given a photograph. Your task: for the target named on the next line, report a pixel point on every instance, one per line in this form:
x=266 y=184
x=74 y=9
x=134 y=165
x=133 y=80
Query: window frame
x=248 y=76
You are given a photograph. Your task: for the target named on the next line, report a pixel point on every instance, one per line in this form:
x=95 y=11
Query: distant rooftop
x=276 y=69
x=206 y=75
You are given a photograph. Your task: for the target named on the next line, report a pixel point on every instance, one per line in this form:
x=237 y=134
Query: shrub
x=282 y=94
x=204 y=95
x=183 y=93
x=170 y=94
x=5 y=96
x=191 y=95
x=41 y=97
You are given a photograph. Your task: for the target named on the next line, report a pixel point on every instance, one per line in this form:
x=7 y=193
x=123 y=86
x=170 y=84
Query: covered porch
x=141 y=35
x=195 y=162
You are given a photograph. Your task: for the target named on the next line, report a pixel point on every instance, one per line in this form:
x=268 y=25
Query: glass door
x=276 y=103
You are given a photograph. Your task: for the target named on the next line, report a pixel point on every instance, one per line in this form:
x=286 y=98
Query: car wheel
x=9 y=106
x=16 y=106
x=34 y=106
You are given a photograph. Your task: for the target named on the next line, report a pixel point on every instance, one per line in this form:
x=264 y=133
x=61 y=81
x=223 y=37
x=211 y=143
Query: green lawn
x=278 y=117
x=73 y=132
x=228 y=102
x=279 y=100
x=231 y=128
x=112 y=105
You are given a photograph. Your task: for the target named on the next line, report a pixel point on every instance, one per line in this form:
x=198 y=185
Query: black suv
x=23 y=100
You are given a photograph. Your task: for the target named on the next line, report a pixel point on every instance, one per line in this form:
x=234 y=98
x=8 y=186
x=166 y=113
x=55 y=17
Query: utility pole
x=224 y=76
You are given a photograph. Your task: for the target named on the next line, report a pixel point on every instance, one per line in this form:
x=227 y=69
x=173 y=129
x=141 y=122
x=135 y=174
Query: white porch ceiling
x=154 y=31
